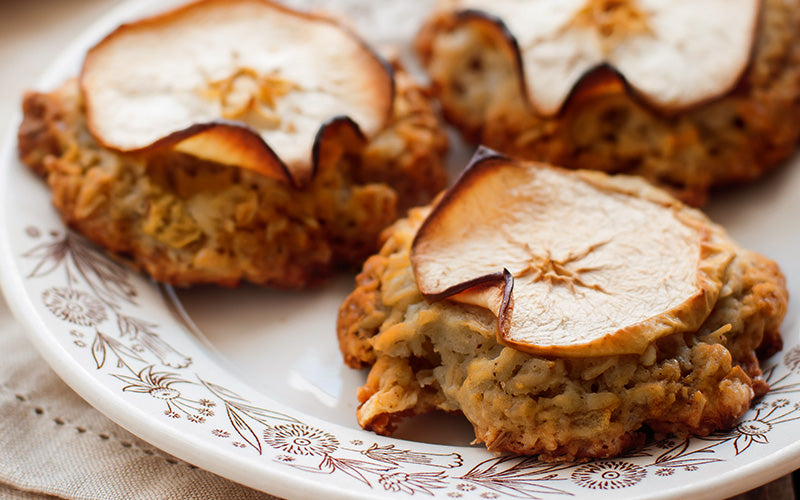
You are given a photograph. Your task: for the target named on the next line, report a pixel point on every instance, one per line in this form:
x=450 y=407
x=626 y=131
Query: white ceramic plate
x=266 y=400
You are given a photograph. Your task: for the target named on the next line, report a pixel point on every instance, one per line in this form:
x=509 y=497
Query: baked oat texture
x=187 y=221
x=445 y=356
x=603 y=126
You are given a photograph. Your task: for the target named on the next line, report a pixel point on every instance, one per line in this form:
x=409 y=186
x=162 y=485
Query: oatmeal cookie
x=264 y=178
x=603 y=115
x=697 y=375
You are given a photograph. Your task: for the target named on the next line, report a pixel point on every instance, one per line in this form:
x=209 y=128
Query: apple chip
x=569 y=266
x=673 y=54
x=244 y=82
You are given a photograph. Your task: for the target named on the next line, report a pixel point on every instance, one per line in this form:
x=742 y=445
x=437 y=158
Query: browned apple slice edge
x=597 y=80
x=247 y=148
x=633 y=338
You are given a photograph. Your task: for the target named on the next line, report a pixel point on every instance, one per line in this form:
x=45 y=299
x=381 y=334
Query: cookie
x=209 y=158
x=687 y=101
x=596 y=312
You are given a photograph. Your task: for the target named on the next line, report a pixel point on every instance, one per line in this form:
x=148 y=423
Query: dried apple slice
x=572 y=263
x=673 y=54
x=243 y=82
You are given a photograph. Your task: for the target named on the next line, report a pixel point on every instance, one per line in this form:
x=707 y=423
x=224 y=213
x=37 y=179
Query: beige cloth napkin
x=54 y=443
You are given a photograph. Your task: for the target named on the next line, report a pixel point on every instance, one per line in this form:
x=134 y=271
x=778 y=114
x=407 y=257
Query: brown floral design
x=607 y=475
x=410 y=483
x=75 y=306
x=300 y=439
x=792 y=359
x=99 y=303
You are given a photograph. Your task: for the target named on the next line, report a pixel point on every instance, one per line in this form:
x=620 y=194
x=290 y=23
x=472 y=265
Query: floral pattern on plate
x=95 y=299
